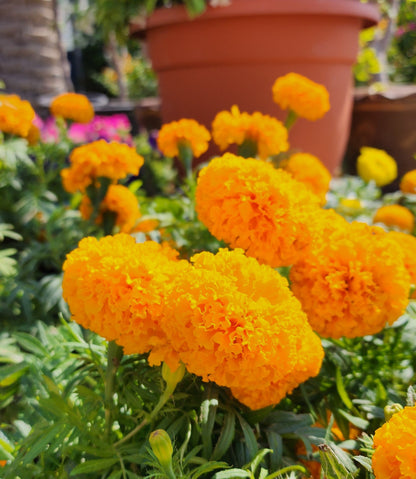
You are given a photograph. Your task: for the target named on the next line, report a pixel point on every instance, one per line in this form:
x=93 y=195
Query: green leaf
x=208 y=413
x=276 y=445
x=341 y=389
x=208 y=467
x=31 y=344
x=365 y=462
x=249 y=437
x=10 y=373
x=356 y=421
x=226 y=436
x=94 y=465
x=255 y=463
x=232 y=474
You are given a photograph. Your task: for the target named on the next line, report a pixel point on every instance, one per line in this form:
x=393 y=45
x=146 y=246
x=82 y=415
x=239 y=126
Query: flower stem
x=290 y=119
x=114 y=354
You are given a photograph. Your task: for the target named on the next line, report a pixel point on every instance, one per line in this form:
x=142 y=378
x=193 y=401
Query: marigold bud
x=162 y=447
x=390 y=410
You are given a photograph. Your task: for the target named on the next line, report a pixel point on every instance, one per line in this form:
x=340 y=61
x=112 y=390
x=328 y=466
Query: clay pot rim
x=369 y=13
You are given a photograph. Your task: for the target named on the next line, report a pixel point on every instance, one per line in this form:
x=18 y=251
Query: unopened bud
x=390 y=410
x=162 y=447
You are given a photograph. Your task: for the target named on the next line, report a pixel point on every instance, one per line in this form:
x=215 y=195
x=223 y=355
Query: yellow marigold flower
x=187 y=132
x=377 y=165
x=352 y=282
x=119 y=200
x=115 y=287
x=408 y=182
x=395 y=216
x=233 y=127
x=352 y=204
x=394 y=442
x=16 y=115
x=309 y=169
x=236 y=322
x=407 y=243
x=88 y=162
x=72 y=106
x=306 y=98
x=251 y=205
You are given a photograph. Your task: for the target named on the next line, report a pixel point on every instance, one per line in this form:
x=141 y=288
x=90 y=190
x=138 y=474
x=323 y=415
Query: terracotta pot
x=232 y=55
x=387 y=121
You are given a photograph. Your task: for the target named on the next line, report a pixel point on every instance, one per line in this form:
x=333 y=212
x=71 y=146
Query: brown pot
x=385 y=120
x=232 y=55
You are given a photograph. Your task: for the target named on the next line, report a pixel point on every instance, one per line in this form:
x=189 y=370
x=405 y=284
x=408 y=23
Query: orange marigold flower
x=395 y=216
x=33 y=135
x=115 y=287
x=352 y=282
x=88 y=162
x=187 y=132
x=306 y=98
x=309 y=169
x=233 y=127
x=119 y=200
x=146 y=225
x=394 y=442
x=236 y=322
x=16 y=115
x=408 y=182
x=377 y=165
x=251 y=205
x=407 y=243
x=73 y=106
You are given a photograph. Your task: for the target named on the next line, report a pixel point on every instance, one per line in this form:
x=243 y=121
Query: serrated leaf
x=94 y=465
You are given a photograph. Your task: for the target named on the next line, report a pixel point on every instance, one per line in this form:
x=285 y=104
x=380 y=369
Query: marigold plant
x=395 y=216
x=309 y=169
x=251 y=205
x=394 y=442
x=16 y=115
x=100 y=159
x=184 y=132
x=408 y=182
x=303 y=96
x=377 y=165
x=119 y=200
x=268 y=134
x=353 y=282
x=72 y=106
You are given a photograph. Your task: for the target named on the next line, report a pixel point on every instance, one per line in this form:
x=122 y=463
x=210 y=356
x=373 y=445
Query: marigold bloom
x=186 y=132
x=16 y=115
x=233 y=127
x=115 y=287
x=119 y=200
x=408 y=182
x=309 y=169
x=394 y=442
x=72 y=106
x=352 y=282
x=407 y=243
x=236 y=322
x=251 y=205
x=306 y=98
x=377 y=165
x=395 y=216
x=88 y=162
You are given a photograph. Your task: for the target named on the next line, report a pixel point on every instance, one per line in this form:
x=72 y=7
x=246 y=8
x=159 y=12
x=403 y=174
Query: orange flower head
x=395 y=217
x=119 y=200
x=88 y=162
x=251 y=205
x=72 y=106
x=352 y=282
x=116 y=287
x=186 y=132
x=394 y=442
x=407 y=243
x=306 y=98
x=16 y=115
x=236 y=322
x=408 y=182
x=309 y=169
x=233 y=127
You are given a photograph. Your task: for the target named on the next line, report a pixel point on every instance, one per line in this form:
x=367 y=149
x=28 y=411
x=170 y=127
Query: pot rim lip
x=369 y=13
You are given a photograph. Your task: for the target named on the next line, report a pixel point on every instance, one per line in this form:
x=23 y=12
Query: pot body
x=232 y=55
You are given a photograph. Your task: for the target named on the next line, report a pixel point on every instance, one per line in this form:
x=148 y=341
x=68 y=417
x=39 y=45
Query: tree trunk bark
x=32 y=61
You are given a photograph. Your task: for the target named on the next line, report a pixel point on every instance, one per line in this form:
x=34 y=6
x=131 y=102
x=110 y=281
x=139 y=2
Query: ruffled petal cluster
x=251 y=205
x=100 y=159
x=225 y=316
x=187 y=132
x=16 y=115
x=72 y=106
x=377 y=165
x=305 y=97
x=233 y=127
x=119 y=200
x=408 y=182
x=353 y=282
x=395 y=444
x=396 y=217
x=407 y=243
x=309 y=170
